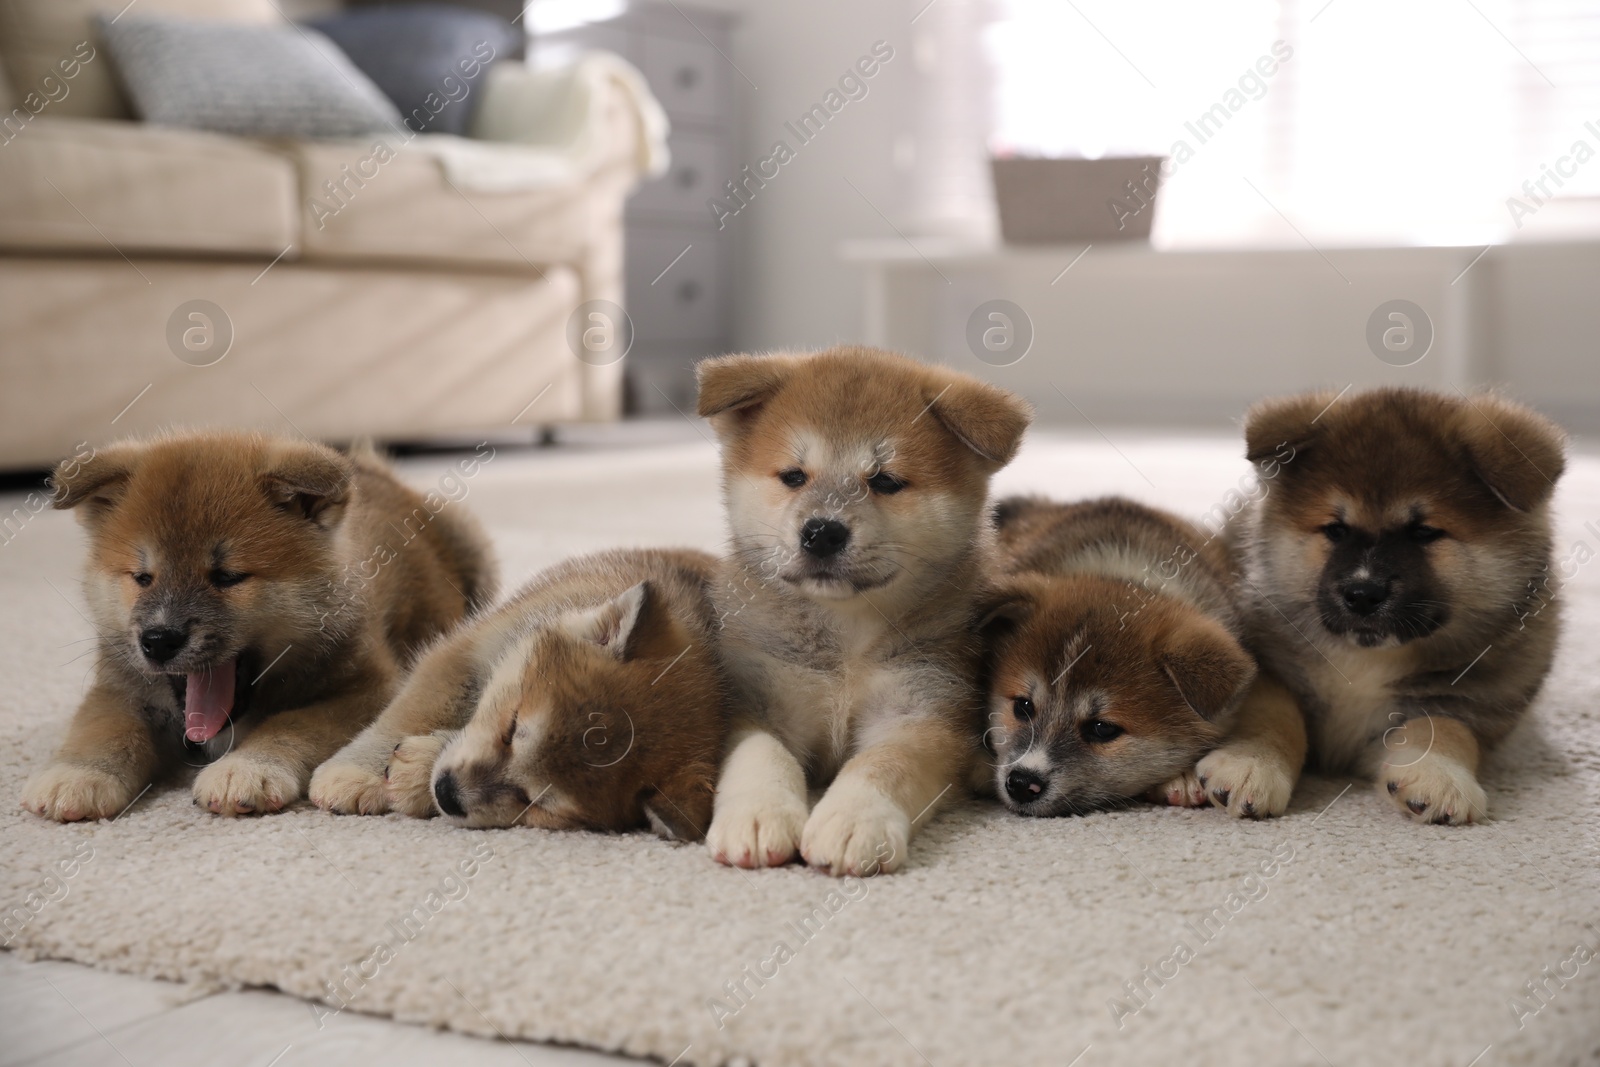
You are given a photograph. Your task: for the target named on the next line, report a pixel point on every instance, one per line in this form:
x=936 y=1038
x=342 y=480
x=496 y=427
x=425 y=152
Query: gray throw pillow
x=245 y=79
x=426 y=57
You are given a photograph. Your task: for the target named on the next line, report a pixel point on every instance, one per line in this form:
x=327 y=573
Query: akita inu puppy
x=1398 y=581
x=245 y=617
x=592 y=699
x=1117 y=658
x=855 y=483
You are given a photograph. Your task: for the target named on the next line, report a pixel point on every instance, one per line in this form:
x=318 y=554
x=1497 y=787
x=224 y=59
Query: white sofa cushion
x=108 y=186
x=36 y=36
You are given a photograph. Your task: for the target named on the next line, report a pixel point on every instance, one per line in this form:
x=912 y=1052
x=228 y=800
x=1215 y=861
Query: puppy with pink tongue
x=257 y=600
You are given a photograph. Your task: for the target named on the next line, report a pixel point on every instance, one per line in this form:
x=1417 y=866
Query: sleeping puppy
x=591 y=699
x=1396 y=575
x=244 y=619
x=855 y=483
x=1117 y=658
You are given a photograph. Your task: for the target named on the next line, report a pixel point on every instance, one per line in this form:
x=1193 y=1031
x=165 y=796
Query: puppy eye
x=1423 y=534
x=1022 y=708
x=1335 y=531
x=885 y=484
x=794 y=477
x=143 y=579
x=223 y=579
x=1099 y=731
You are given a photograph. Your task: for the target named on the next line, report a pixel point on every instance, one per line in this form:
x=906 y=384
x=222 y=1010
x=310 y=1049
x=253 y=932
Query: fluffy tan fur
x=852 y=652
x=262 y=550
x=1400 y=579
x=592 y=699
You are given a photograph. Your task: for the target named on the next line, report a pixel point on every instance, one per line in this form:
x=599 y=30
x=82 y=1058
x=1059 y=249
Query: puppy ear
x=1518 y=453
x=1207 y=665
x=634 y=624
x=987 y=419
x=1285 y=421
x=679 y=809
x=310 y=481
x=1001 y=611
x=97 y=480
x=735 y=383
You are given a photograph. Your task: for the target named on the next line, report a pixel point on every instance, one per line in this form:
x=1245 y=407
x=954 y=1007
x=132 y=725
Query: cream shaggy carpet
x=1007 y=940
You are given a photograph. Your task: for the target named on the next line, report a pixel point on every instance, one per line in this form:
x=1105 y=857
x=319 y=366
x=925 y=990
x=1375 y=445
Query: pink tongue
x=208 y=701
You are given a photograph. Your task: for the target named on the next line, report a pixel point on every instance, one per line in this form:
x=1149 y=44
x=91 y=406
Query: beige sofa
x=418 y=309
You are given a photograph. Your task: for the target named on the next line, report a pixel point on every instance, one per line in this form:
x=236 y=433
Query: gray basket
x=1065 y=201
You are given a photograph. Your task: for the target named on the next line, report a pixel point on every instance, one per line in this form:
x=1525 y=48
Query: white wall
x=1534 y=317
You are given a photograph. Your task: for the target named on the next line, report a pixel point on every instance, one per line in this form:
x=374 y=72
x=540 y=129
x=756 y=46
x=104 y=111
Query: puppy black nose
x=162 y=644
x=1024 y=786
x=824 y=537
x=1364 y=598
x=445 y=792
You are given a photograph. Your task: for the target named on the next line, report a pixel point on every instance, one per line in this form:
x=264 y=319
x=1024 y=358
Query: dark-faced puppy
x=239 y=624
x=1116 y=657
x=1402 y=561
x=592 y=699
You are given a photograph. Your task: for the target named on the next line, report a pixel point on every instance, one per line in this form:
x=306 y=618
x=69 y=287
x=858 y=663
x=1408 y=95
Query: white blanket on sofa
x=543 y=128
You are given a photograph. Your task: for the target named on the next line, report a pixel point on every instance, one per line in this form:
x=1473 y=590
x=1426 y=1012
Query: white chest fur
x=1355 y=691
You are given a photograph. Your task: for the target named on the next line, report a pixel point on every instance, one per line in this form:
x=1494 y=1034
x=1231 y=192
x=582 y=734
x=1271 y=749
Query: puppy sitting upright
x=1117 y=656
x=228 y=580
x=1396 y=572
x=855 y=483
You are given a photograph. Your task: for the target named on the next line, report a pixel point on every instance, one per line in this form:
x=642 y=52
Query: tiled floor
x=55 y=1014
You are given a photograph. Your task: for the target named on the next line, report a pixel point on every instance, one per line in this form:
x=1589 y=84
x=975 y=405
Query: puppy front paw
x=1184 y=791
x=239 y=784
x=856 y=830
x=756 y=829
x=68 y=792
x=408 y=779
x=1246 y=783
x=348 y=789
x=1434 y=789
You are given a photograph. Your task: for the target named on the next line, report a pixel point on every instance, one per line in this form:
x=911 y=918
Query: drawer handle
x=687 y=77
x=687 y=177
x=689 y=292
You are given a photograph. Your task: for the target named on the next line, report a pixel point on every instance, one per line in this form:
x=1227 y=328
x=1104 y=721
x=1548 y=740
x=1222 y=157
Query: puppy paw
x=1434 y=789
x=1184 y=791
x=1246 y=784
x=348 y=789
x=760 y=830
x=68 y=792
x=856 y=830
x=408 y=779
x=238 y=784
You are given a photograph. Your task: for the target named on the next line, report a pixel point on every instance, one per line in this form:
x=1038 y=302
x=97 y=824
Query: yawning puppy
x=1399 y=578
x=591 y=699
x=855 y=483
x=1117 y=657
x=239 y=620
